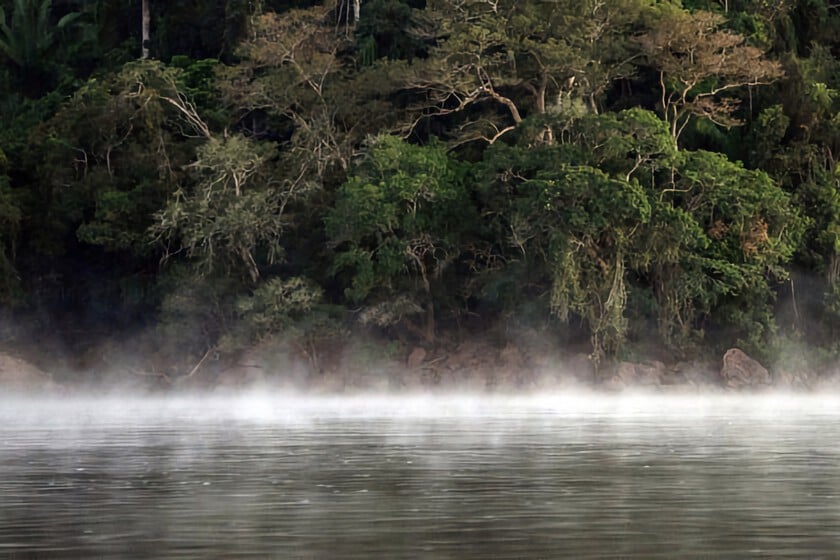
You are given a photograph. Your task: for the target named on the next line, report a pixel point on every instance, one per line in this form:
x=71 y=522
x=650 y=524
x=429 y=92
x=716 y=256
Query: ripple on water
x=576 y=476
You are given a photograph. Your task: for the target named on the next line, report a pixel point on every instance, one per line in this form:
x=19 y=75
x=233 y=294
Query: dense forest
x=624 y=176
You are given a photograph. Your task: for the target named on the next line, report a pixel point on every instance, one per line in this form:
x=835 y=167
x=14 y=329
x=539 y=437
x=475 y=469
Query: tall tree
x=699 y=64
x=398 y=227
x=572 y=224
x=520 y=56
x=10 y=218
x=145 y=36
x=27 y=39
x=289 y=86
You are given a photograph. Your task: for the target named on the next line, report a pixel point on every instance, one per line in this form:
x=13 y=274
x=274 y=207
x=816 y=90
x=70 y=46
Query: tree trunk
x=833 y=270
x=144 y=53
x=430 y=323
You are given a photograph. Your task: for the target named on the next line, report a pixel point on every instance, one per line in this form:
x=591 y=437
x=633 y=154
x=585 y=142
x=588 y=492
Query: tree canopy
x=622 y=170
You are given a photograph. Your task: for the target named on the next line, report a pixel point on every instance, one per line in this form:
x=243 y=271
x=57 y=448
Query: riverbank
x=475 y=364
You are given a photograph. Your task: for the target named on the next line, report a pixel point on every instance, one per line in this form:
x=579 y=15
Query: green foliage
x=195 y=312
x=276 y=303
x=291 y=309
x=702 y=235
x=110 y=156
x=699 y=65
x=10 y=218
x=630 y=143
x=519 y=56
x=573 y=221
x=22 y=115
x=384 y=32
x=757 y=29
x=582 y=222
x=400 y=221
x=749 y=231
x=289 y=312
x=263 y=155
x=28 y=39
x=821 y=196
x=229 y=214
x=30 y=33
x=198 y=84
x=769 y=129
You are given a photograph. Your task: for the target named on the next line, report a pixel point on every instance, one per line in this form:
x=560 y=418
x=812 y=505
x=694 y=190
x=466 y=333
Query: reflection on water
x=573 y=477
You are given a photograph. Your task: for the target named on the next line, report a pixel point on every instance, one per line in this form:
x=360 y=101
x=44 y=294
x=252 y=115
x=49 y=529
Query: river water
x=562 y=476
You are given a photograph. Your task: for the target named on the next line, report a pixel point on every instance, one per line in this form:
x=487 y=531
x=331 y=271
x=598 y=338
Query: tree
x=698 y=63
x=577 y=223
x=590 y=221
x=28 y=37
x=30 y=33
x=229 y=213
x=145 y=36
x=112 y=154
x=220 y=213
x=385 y=32
x=10 y=218
x=724 y=239
x=613 y=217
x=344 y=9
x=398 y=226
x=137 y=170
x=521 y=57
x=796 y=142
x=289 y=87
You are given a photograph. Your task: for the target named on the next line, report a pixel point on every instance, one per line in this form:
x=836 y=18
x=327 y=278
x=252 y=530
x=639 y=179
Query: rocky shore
x=17 y=374
x=473 y=365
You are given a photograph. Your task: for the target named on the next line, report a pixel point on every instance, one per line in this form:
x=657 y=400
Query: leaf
x=68 y=19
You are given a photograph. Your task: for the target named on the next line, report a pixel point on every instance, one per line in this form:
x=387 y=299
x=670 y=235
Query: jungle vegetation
x=610 y=172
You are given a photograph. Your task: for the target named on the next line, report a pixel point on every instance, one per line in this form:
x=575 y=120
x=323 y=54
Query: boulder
x=510 y=357
x=19 y=375
x=698 y=374
x=797 y=380
x=417 y=357
x=829 y=381
x=651 y=374
x=739 y=371
x=619 y=377
x=628 y=375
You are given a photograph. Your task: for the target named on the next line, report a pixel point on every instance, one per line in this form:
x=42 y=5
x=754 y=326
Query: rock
x=697 y=374
x=19 y=375
x=619 y=377
x=795 y=380
x=740 y=371
x=430 y=378
x=829 y=381
x=581 y=368
x=651 y=374
x=627 y=375
x=328 y=382
x=511 y=357
x=417 y=357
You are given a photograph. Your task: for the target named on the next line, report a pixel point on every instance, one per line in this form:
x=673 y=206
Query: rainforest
x=185 y=185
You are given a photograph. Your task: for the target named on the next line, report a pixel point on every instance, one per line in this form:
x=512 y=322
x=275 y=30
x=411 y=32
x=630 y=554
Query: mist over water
x=442 y=476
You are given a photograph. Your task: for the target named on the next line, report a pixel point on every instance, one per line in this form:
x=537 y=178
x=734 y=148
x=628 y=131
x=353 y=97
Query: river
x=460 y=477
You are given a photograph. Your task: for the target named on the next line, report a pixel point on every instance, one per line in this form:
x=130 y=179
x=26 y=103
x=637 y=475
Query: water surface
x=278 y=476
